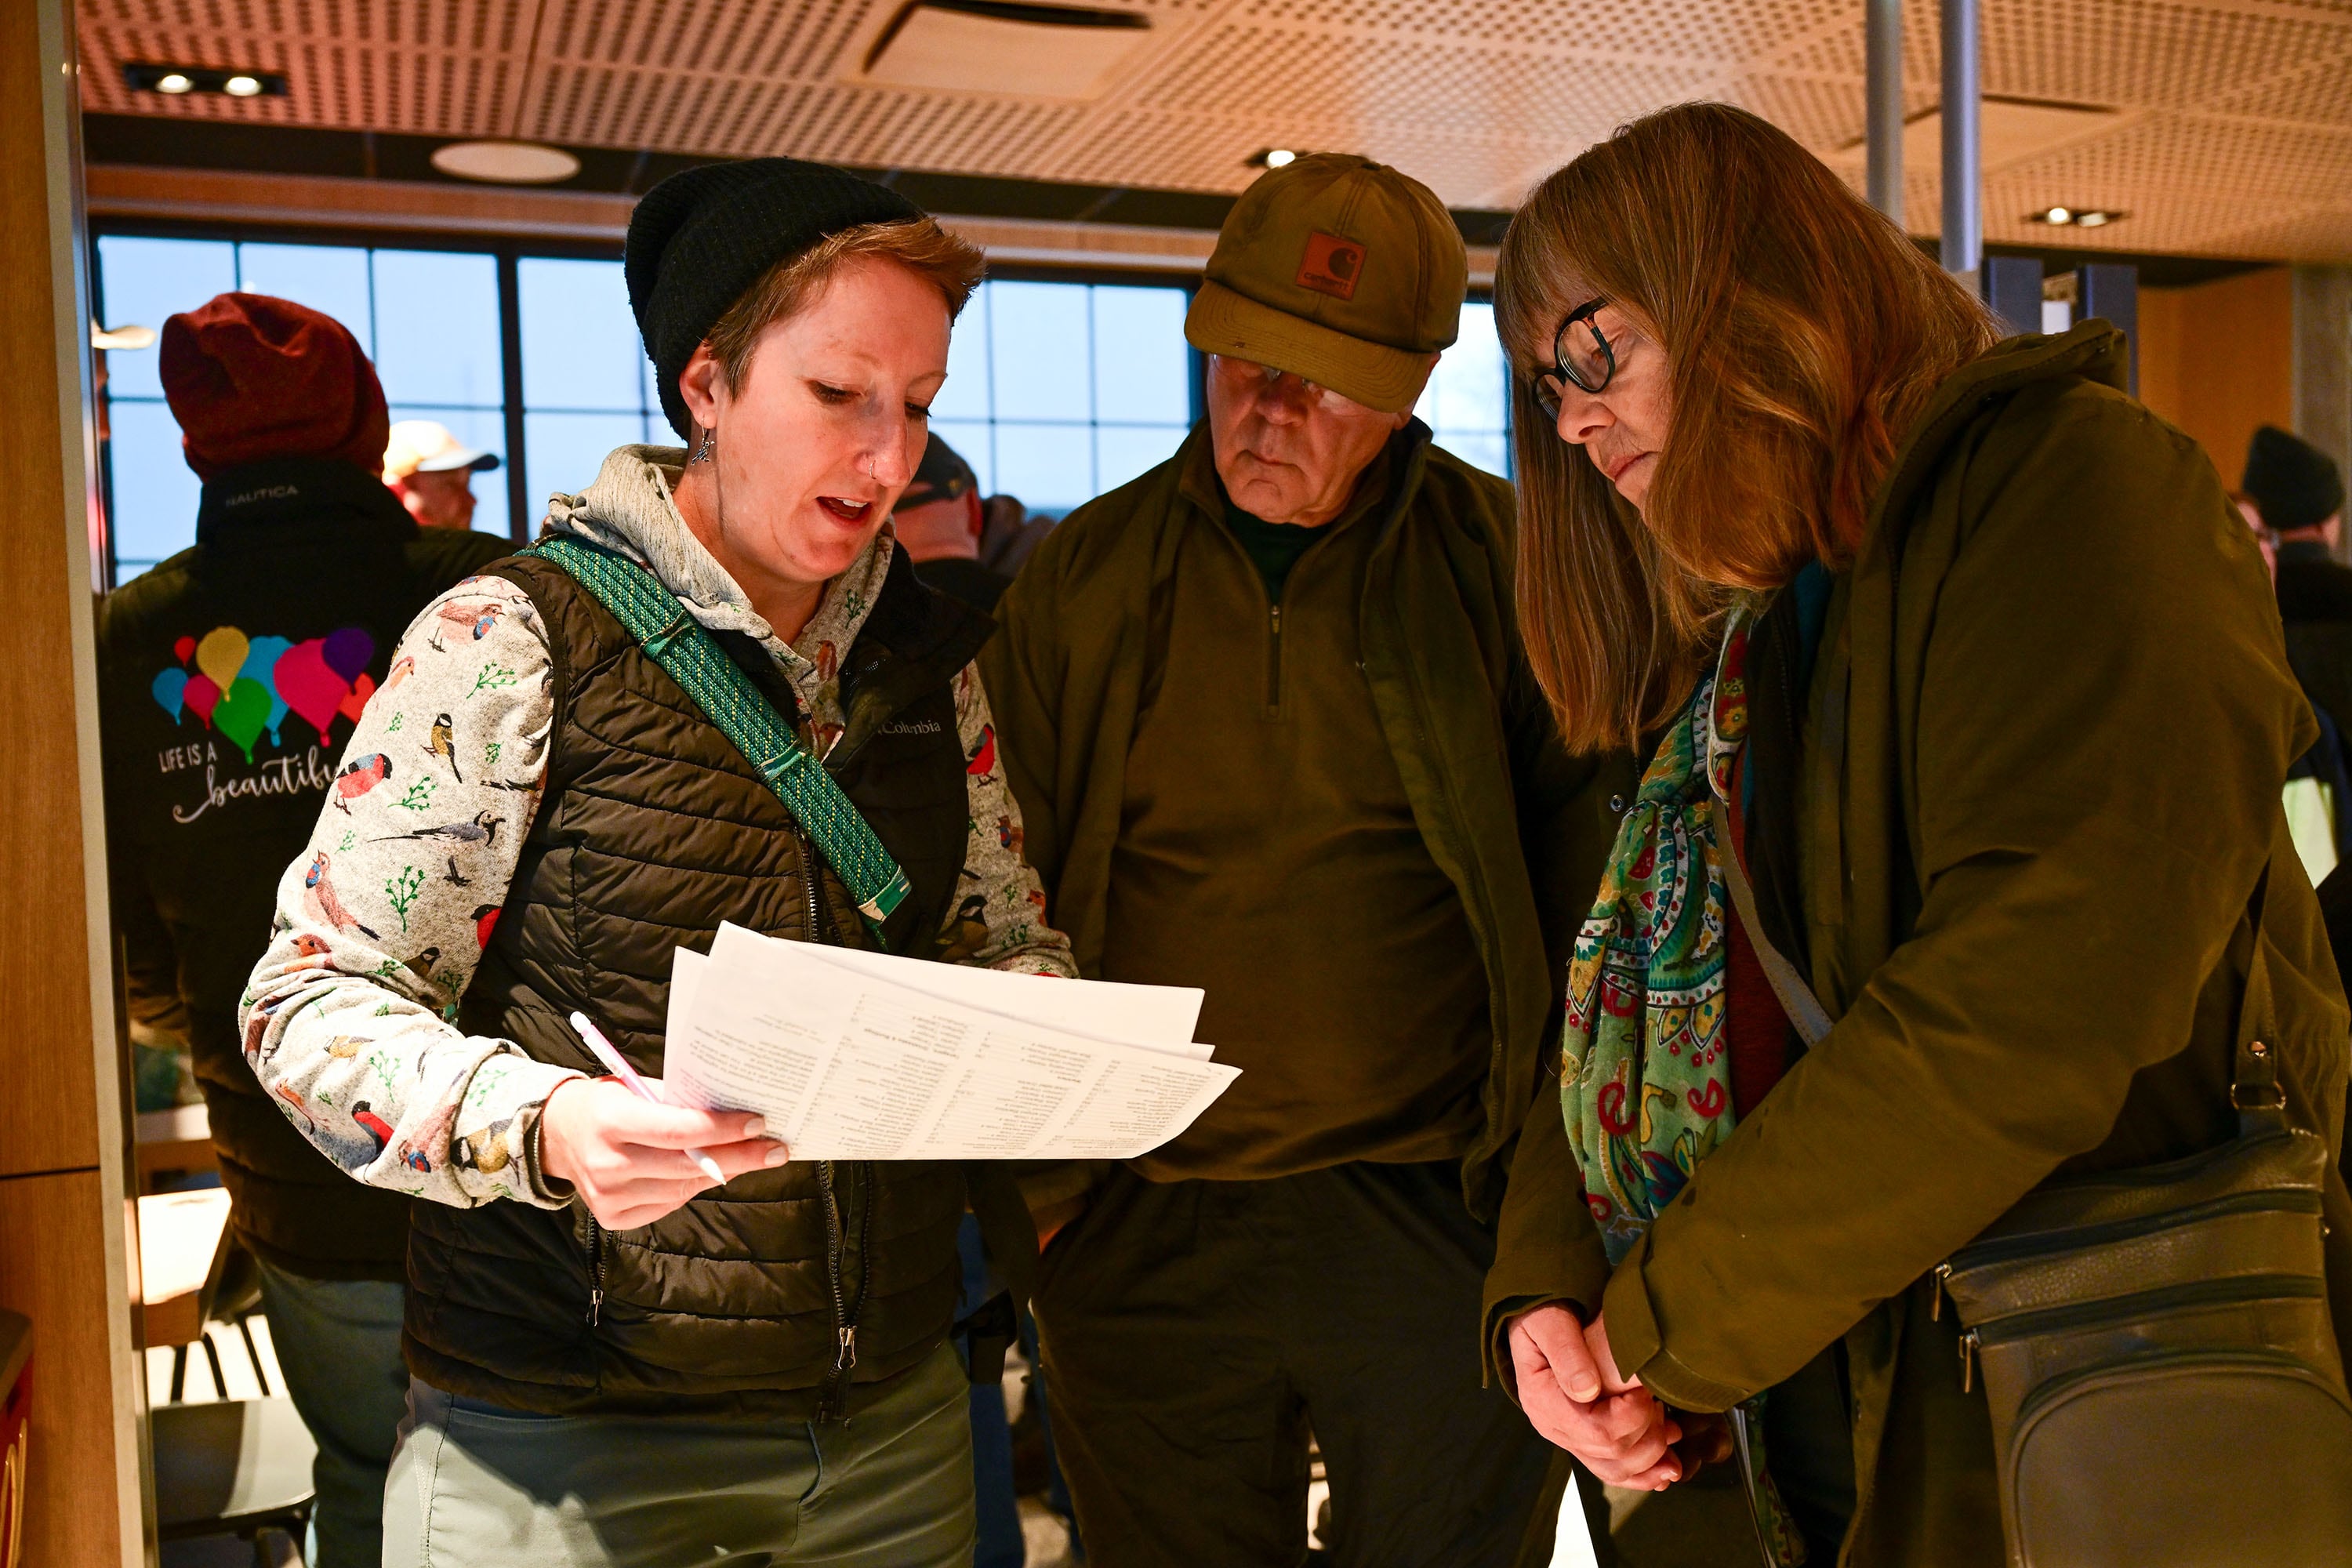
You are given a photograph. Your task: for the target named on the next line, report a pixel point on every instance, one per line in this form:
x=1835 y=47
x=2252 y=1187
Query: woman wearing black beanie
x=614 y=1360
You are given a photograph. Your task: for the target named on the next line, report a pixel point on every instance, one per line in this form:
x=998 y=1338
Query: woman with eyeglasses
x=1968 y=714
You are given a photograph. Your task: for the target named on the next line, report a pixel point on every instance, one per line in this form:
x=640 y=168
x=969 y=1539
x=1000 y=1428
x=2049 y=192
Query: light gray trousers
x=890 y=1488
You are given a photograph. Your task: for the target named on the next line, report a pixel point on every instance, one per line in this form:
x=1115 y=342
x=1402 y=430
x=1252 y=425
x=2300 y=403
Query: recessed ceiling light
x=176 y=82
x=505 y=163
x=2075 y=217
x=1276 y=157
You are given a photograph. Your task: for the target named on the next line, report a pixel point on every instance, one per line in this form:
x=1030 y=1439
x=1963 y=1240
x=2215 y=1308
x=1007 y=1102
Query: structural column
x=2322 y=360
x=64 y=1204
x=1882 y=47
x=1963 y=242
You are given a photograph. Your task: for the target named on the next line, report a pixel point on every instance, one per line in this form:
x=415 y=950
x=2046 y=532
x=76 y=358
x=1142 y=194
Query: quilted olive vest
x=786 y=1294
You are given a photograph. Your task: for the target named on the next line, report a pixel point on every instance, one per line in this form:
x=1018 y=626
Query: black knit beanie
x=698 y=241
x=2292 y=483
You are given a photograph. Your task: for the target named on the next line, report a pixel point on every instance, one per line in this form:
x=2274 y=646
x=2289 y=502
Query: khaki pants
x=474 y=1489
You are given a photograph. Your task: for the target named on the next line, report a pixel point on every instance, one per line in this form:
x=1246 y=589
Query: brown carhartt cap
x=1341 y=270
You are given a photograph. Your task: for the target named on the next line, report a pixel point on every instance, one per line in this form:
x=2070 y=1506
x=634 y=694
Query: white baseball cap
x=426 y=447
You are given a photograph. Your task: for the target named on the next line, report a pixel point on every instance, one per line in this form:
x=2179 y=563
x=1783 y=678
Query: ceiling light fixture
x=178 y=81
x=1271 y=158
x=2074 y=218
x=1013 y=46
x=505 y=162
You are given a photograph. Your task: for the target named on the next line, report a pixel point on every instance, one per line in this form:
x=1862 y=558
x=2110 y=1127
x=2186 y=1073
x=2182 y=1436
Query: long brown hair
x=1802 y=334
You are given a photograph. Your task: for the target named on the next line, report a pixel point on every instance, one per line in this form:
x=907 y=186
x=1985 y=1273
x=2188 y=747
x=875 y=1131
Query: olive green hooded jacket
x=2045 y=738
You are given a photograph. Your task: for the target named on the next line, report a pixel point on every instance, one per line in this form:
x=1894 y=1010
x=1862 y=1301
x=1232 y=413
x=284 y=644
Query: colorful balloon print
x=308 y=686
x=203 y=696
x=246 y=685
x=261 y=657
x=170 y=688
x=356 y=703
x=242 y=712
x=349 y=651
x=221 y=655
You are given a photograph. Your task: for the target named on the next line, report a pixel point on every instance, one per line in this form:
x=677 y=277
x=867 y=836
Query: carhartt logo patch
x=1332 y=265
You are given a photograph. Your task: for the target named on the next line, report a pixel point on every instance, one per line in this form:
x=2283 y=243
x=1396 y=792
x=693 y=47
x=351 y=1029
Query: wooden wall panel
x=64 y=1250
x=2217 y=359
x=44 y=994
x=54 y=1246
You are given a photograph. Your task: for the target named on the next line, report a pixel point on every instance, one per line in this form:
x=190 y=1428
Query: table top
x=181 y=1238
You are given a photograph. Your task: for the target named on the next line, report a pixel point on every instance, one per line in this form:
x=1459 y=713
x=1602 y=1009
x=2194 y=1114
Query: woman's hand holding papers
x=628 y=1159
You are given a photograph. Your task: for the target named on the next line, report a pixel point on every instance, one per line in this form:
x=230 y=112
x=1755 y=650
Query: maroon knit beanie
x=250 y=377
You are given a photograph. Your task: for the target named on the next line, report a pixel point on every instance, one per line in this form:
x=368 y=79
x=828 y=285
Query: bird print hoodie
x=349 y=1021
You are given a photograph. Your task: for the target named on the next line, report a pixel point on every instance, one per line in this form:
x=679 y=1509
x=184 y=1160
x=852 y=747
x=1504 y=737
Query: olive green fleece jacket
x=2045 y=738
x=1521 y=828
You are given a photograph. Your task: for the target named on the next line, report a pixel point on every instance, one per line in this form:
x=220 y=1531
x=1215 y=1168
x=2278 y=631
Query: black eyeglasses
x=1575 y=361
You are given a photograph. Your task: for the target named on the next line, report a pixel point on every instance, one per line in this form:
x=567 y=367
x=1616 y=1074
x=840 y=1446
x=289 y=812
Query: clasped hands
x=1573 y=1393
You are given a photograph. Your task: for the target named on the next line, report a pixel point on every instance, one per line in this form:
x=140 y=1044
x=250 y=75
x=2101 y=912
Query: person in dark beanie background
x=2297 y=492
x=614 y=1363
x=231 y=673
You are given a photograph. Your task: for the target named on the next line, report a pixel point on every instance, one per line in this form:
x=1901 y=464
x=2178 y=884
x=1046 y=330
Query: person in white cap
x=433 y=472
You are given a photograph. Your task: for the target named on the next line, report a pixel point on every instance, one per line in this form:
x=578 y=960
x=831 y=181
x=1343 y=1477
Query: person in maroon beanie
x=231 y=675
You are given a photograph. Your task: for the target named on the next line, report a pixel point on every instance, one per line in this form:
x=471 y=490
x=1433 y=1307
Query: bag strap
x=1797 y=999
x=686 y=651
x=2254 y=1088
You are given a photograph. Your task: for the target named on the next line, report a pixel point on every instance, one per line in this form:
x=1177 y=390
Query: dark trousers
x=1194 y=1333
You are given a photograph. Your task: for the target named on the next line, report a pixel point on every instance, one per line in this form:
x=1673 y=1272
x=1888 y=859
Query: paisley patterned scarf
x=1645 y=1079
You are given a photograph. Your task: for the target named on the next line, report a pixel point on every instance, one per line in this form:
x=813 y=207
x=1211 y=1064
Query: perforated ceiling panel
x=2232 y=135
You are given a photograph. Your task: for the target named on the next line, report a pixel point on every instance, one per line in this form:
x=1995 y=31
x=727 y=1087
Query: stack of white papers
x=863 y=1055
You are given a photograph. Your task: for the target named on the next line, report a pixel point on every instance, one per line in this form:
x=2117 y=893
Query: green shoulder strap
x=678 y=642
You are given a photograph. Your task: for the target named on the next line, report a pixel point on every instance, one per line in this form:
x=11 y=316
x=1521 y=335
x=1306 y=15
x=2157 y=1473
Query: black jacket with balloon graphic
x=230 y=676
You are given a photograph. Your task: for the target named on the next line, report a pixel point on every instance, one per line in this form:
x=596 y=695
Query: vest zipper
x=810 y=874
x=829 y=1394
x=1274 y=658
x=595 y=1271
x=833 y=1393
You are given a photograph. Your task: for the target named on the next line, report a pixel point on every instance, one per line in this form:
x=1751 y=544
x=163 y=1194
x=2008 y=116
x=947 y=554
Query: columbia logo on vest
x=912 y=727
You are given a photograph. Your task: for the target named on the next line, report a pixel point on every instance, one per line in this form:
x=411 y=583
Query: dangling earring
x=708 y=439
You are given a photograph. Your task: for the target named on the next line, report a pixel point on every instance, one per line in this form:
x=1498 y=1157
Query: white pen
x=618 y=1066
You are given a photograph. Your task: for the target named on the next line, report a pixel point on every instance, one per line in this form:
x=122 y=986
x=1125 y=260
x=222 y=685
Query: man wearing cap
x=1272 y=733
x=231 y=676
x=433 y=472
x=937 y=523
